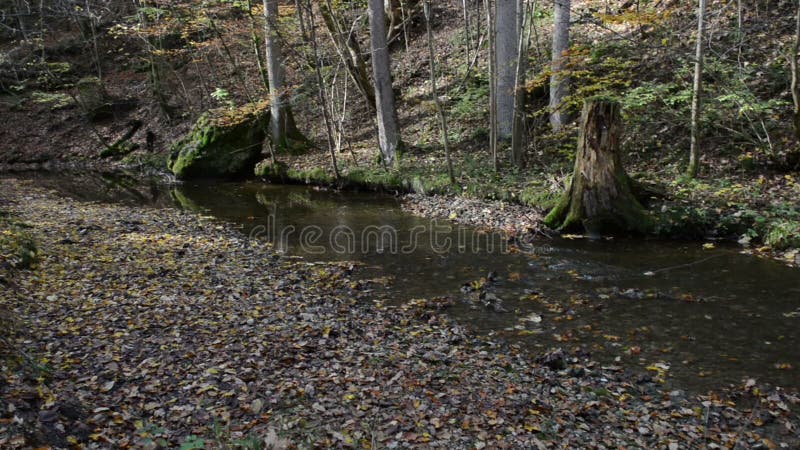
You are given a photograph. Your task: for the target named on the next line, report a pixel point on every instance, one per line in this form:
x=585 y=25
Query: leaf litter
x=148 y=328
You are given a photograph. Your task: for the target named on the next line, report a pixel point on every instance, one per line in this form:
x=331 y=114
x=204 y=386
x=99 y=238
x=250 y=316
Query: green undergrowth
x=471 y=181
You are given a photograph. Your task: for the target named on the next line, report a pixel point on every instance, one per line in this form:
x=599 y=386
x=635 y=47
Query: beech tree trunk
x=558 y=81
x=388 y=128
x=507 y=31
x=282 y=126
x=600 y=198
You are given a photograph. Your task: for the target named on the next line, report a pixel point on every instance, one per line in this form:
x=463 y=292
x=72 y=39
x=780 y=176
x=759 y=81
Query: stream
x=699 y=318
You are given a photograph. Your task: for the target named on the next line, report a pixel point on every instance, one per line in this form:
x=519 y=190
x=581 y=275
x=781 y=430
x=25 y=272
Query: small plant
x=223 y=97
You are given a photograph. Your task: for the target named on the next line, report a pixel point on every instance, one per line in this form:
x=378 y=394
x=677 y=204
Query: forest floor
x=147 y=327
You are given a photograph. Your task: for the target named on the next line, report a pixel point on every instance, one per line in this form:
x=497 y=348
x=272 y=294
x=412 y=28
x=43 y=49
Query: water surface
x=713 y=317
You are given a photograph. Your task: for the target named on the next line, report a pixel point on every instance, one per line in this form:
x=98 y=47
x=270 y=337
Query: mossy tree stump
x=600 y=197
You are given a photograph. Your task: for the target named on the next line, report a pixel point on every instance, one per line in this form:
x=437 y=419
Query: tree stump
x=600 y=198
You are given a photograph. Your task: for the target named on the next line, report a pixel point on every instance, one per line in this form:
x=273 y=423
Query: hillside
x=164 y=63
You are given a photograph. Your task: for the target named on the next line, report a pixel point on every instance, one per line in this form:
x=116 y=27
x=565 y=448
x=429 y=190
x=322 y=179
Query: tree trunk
x=507 y=31
x=518 y=134
x=694 y=149
x=435 y=94
x=256 y=42
x=282 y=126
x=388 y=128
x=322 y=94
x=793 y=157
x=558 y=80
x=599 y=199
x=492 y=82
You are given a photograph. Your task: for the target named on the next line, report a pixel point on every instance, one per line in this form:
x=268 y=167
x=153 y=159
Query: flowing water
x=711 y=317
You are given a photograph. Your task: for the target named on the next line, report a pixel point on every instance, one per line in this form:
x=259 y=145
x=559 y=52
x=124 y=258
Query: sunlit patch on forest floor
x=147 y=327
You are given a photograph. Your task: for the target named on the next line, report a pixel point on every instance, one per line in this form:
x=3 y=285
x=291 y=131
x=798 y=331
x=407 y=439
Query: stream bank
x=153 y=324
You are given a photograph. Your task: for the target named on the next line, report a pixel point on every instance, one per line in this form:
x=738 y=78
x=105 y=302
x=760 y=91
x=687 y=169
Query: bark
x=558 y=80
x=600 y=199
x=349 y=52
x=507 y=32
x=388 y=128
x=282 y=126
x=694 y=149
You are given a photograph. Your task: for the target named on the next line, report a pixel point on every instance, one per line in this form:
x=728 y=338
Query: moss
x=93 y=98
x=268 y=170
x=150 y=160
x=223 y=143
x=537 y=196
x=317 y=175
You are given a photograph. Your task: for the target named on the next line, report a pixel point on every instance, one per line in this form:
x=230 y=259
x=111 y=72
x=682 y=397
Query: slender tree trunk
x=468 y=38
x=518 y=134
x=794 y=156
x=256 y=43
x=694 y=150
x=558 y=79
x=282 y=126
x=507 y=38
x=435 y=94
x=599 y=199
x=388 y=127
x=322 y=94
x=492 y=82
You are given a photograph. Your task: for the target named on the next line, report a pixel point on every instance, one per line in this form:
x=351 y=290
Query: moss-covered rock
x=224 y=143
x=93 y=98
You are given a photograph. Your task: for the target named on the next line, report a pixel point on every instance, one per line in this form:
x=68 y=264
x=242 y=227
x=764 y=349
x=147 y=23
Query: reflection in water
x=713 y=316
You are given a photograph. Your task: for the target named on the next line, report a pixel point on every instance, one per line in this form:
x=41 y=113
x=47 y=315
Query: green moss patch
x=223 y=143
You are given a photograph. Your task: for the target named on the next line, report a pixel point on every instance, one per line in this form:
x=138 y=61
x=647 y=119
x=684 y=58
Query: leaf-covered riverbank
x=144 y=326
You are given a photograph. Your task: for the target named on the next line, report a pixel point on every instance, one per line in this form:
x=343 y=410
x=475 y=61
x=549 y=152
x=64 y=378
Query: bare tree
x=388 y=127
x=694 y=150
x=558 y=80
